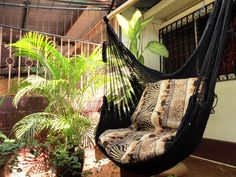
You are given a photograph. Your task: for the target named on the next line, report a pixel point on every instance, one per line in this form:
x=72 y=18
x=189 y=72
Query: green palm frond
x=41 y=48
x=82 y=127
x=27 y=127
x=39 y=85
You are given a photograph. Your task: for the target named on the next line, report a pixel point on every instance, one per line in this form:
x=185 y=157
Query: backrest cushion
x=141 y=117
x=172 y=102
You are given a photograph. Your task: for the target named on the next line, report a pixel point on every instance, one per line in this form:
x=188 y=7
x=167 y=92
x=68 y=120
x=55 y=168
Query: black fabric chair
x=125 y=68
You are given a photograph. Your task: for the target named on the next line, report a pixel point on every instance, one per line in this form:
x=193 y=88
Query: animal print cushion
x=172 y=102
x=154 y=122
x=127 y=145
x=141 y=117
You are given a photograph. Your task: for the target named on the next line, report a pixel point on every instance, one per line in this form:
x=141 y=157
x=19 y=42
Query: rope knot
x=105 y=19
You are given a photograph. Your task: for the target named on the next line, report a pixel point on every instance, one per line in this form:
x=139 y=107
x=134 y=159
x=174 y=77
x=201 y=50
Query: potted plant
x=61 y=128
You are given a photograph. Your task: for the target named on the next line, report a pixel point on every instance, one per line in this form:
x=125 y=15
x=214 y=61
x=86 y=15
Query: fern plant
x=62 y=86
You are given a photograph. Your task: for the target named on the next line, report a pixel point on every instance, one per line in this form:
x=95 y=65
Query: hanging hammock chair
x=150 y=121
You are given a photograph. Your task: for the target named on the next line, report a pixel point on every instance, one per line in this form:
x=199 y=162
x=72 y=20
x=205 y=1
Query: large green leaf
x=135 y=18
x=146 y=22
x=137 y=27
x=141 y=59
x=133 y=41
x=124 y=23
x=41 y=86
x=2 y=136
x=158 y=48
x=134 y=46
x=132 y=34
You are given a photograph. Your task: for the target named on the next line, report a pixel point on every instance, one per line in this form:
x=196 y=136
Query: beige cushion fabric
x=141 y=116
x=172 y=102
x=127 y=145
x=154 y=122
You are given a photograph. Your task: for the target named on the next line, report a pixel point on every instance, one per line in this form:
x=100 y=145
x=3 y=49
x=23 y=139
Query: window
x=182 y=36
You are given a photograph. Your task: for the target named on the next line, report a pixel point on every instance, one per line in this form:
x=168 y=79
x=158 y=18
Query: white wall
x=222 y=124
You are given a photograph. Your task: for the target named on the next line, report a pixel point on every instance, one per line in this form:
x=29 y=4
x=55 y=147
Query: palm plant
x=61 y=85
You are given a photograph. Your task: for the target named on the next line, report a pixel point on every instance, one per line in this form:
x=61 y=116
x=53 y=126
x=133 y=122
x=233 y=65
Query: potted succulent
x=61 y=128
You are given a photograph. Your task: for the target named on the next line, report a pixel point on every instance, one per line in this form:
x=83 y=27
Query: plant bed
x=27 y=164
x=19 y=158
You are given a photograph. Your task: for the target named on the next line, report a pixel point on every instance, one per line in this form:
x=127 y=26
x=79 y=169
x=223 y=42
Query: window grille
x=181 y=38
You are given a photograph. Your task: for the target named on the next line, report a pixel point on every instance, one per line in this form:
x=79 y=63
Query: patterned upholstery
x=127 y=145
x=173 y=101
x=154 y=122
x=141 y=116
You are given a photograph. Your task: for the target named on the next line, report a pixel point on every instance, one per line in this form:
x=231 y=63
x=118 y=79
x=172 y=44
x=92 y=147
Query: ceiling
x=146 y=4
x=51 y=16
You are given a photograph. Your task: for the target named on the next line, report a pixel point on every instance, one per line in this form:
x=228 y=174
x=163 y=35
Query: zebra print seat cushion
x=127 y=145
x=154 y=122
x=142 y=114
